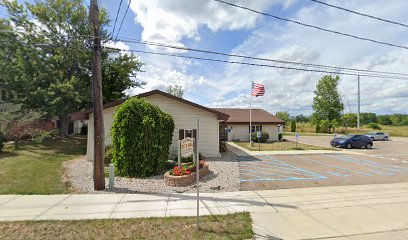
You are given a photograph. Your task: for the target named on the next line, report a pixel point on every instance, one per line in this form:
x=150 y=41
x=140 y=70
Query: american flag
x=257 y=89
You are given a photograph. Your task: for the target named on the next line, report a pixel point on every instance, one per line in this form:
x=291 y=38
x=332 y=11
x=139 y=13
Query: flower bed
x=186 y=175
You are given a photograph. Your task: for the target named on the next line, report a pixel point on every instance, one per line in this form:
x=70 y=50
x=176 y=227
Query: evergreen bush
x=293 y=126
x=280 y=136
x=141 y=137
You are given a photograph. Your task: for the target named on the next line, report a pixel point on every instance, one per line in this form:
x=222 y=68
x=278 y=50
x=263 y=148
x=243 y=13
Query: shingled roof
x=239 y=115
x=84 y=115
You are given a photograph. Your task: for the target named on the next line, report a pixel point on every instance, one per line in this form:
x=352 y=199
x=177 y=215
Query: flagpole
x=250 y=117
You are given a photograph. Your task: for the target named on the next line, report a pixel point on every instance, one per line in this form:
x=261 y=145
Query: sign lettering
x=187 y=147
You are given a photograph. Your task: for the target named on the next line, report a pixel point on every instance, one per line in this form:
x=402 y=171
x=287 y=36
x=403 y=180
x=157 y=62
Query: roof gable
x=85 y=114
x=239 y=115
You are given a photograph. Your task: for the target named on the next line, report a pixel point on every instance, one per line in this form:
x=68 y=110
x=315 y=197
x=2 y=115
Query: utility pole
x=99 y=135
x=358 y=99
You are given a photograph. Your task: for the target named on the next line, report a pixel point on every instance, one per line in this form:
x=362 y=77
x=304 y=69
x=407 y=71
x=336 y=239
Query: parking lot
x=396 y=149
x=387 y=162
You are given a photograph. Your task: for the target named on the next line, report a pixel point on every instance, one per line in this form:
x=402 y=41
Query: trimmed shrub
x=141 y=136
x=264 y=137
x=2 y=141
x=374 y=126
x=223 y=146
x=293 y=126
x=280 y=136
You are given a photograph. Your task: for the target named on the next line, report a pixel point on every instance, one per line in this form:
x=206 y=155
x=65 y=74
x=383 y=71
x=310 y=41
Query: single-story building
x=237 y=126
x=184 y=114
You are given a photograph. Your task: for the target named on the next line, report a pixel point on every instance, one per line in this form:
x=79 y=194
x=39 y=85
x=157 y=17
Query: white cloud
x=286 y=90
x=117 y=45
x=292 y=91
x=170 y=21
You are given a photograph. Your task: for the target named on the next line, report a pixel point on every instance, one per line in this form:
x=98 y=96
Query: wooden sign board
x=187 y=147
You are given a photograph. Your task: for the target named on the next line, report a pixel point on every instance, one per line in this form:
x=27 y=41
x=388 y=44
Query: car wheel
x=349 y=145
x=369 y=146
x=385 y=138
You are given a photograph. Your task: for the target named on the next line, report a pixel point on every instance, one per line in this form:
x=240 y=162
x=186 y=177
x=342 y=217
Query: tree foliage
x=16 y=123
x=302 y=118
x=141 y=136
x=327 y=104
x=366 y=118
x=349 y=120
x=47 y=49
x=283 y=115
x=175 y=90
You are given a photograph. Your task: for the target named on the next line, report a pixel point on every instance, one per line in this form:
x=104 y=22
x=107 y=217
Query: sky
x=209 y=25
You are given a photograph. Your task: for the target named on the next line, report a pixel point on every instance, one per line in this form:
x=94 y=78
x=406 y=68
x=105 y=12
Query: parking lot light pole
x=358 y=100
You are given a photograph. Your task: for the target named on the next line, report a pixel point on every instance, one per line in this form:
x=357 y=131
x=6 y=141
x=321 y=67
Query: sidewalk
x=241 y=151
x=347 y=211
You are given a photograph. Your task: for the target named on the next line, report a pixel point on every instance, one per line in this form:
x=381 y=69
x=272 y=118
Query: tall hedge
x=141 y=136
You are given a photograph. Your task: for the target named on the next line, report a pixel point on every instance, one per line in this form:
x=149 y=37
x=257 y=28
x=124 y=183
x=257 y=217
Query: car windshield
x=346 y=136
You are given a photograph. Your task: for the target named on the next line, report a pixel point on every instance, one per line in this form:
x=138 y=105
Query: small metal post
x=179 y=154
x=111 y=176
x=358 y=101
x=198 y=173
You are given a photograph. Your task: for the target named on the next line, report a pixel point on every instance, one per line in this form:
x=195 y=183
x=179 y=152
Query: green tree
x=327 y=104
x=47 y=49
x=366 y=118
x=302 y=118
x=175 y=90
x=384 y=120
x=283 y=115
x=349 y=120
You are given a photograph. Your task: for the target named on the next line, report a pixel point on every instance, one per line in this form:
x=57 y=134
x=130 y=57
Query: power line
x=361 y=14
x=116 y=19
x=261 y=65
x=315 y=27
x=124 y=39
x=120 y=27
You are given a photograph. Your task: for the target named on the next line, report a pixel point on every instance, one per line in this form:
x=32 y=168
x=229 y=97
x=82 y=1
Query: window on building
x=188 y=133
x=256 y=128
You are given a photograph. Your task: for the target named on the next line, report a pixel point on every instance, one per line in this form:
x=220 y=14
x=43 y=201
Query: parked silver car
x=378 y=136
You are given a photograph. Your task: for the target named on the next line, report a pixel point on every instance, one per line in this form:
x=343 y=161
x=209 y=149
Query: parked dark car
x=352 y=141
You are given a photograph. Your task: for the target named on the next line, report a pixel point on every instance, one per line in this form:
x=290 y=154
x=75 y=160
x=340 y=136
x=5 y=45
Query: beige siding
x=184 y=117
x=240 y=132
x=108 y=120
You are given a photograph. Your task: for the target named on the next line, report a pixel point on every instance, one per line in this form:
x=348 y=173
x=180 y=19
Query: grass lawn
x=232 y=226
x=280 y=146
x=36 y=168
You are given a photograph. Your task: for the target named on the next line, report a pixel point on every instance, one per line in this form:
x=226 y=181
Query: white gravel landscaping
x=223 y=177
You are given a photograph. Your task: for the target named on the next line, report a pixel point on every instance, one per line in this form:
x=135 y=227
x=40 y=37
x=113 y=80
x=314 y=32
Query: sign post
x=297 y=139
x=179 y=154
x=198 y=172
x=258 y=134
